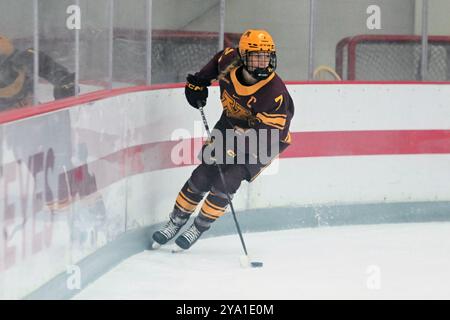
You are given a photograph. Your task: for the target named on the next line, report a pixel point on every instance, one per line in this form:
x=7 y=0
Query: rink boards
x=78 y=177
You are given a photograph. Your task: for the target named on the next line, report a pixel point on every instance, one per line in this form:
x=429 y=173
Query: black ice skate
x=189 y=237
x=170 y=230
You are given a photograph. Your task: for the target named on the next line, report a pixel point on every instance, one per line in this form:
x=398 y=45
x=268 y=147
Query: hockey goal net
x=174 y=53
x=392 y=58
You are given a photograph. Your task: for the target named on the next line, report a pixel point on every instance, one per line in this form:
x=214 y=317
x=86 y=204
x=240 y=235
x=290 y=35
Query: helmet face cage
x=257 y=72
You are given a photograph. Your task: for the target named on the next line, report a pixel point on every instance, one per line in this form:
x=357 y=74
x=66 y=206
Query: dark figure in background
x=16 y=76
x=52 y=137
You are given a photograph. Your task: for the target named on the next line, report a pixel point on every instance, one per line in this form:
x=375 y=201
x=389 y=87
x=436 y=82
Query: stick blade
x=244 y=260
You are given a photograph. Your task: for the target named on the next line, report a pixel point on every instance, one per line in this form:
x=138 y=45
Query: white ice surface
x=411 y=261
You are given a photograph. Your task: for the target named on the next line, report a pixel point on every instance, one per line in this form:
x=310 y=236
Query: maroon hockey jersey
x=263 y=105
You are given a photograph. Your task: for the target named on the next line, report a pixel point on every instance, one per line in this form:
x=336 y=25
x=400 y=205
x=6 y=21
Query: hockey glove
x=196 y=90
x=65 y=87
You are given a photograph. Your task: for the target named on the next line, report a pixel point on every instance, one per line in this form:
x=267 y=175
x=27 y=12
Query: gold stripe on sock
x=179 y=206
x=214 y=206
x=208 y=215
x=211 y=211
x=185 y=204
x=188 y=199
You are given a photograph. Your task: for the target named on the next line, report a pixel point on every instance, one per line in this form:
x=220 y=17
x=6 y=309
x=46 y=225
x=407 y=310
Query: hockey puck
x=245 y=262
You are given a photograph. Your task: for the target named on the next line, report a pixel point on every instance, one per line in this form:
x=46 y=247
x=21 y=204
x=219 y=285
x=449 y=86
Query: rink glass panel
x=439 y=53
x=288 y=23
x=336 y=21
x=185 y=37
x=16 y=23
x=130 y=42
x=94 y=45
x=55 y=39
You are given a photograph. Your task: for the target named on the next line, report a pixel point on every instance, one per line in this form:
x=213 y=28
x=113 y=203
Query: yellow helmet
x=254 y=40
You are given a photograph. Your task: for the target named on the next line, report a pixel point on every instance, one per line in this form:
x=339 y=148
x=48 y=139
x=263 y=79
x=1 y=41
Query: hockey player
x=253 y=98
x=16 y=76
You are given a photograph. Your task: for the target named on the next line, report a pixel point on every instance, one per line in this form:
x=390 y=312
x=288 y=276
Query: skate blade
x=155 y=245
x=176 y=249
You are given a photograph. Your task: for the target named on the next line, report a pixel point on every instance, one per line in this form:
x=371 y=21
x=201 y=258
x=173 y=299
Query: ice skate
x=170 y=230
x=189 y=237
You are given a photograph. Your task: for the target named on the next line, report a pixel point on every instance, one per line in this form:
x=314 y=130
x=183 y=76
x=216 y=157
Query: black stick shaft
x=205 y=123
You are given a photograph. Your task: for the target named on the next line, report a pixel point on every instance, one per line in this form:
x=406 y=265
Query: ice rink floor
x=395 y=261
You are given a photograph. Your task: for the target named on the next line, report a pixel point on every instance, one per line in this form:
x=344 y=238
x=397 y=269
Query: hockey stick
x=245 y=260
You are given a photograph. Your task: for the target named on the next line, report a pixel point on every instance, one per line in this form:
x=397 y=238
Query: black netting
x=173 y=55
x=392 y=60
